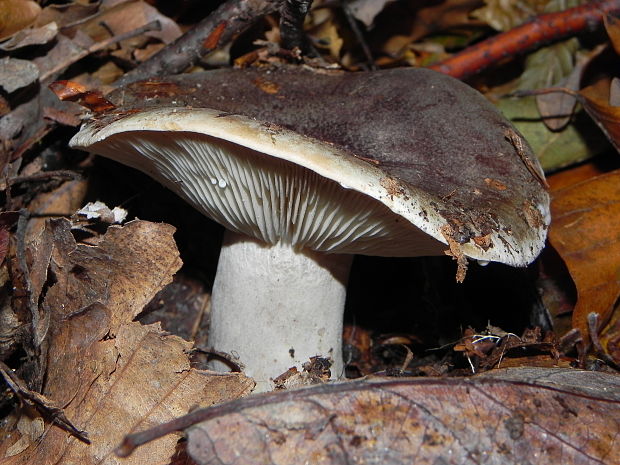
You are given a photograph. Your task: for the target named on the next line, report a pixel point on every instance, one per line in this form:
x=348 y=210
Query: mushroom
x=306 y=168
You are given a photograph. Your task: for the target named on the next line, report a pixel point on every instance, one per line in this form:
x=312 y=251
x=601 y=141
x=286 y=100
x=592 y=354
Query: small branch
x=41 y=403
x=539 y=31
x=358 y=34
x=292 y=15
x=226 y=358
x=221 y=26
x=44 y=176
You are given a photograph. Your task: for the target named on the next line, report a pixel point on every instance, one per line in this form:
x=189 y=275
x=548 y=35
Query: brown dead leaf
x=127 y=16
x=7 y=220
x=598 y=102
x=419 y=19
x=66 y=14
x=28 y=37
x=325 y=34
x=574 y=175
x=113 y=375
x=515 y=417
x=586 y=233
x=76 y=92
x=16 y=15
x=612 y=26
x=63 y=200
x=16 y=74
x=502 y=15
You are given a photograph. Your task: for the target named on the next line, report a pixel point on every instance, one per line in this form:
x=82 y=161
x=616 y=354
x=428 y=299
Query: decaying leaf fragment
x=110 y=374
x=586 y=232
x=540 y=416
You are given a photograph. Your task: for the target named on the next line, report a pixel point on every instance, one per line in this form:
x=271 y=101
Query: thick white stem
x=274 y=308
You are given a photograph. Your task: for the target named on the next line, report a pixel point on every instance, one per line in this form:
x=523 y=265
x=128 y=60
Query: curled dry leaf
x=76 y=92
x=586 y=232
x=539 y=416
x=113 y=375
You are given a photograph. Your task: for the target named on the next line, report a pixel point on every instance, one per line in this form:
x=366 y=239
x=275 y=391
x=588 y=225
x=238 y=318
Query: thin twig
x=44 y=176
x=344 y=6
x=220 y=27
x=529 y=36
x=593 y=329
x=41 y=403
x=224 y=357
x=205 y=307
x=292 y=15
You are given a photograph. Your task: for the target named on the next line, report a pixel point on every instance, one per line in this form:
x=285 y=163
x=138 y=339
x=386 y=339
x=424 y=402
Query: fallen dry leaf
x=586 y=232
x=15 y=15
x=7 y=221
x=572 y=176
x=64 y=199
x=76 y=92
x=515 y=417
x=503 y=15
x=612 y=26
x=110 y=374
x=599 y=103
x=127 y=16
x=28 y=37
x=66 y=14
x=326 y=36
x=16 y=74
x=367 y=10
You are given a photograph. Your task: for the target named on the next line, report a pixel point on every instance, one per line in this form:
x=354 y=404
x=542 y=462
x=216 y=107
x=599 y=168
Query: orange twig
x=539 y=31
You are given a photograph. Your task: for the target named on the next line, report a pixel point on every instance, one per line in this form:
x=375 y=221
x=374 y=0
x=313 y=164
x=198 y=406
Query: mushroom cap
x=414 y=159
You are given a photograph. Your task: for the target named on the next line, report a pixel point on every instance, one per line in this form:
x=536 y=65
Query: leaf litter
x=108 y=375
x=98 y=355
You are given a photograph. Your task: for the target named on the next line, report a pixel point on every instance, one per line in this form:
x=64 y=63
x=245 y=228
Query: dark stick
x=292 y=15
x=221 y=26
x=358 y=34
x=535 y=33
x=44 y=176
